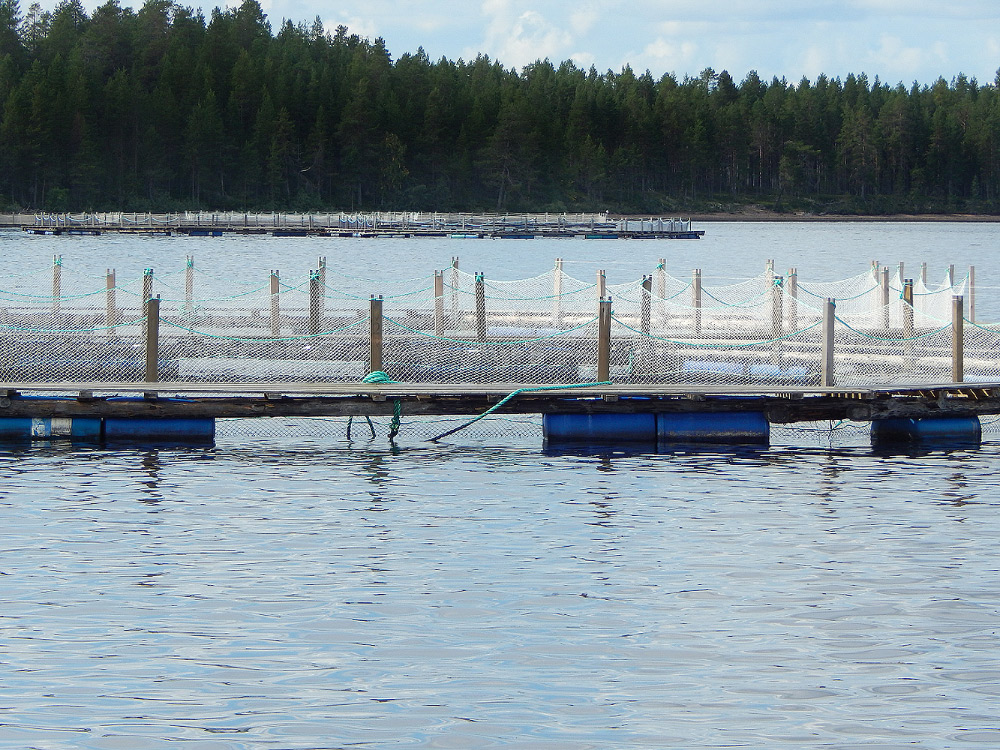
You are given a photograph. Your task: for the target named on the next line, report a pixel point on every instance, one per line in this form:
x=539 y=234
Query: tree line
x=162 y=108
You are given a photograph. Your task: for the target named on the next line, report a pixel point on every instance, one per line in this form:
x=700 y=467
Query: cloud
x=519 y=38
x=363 y=27
x=666 y=55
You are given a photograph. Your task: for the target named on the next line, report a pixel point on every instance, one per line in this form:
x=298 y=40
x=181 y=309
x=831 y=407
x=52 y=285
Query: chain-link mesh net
x=66 y=324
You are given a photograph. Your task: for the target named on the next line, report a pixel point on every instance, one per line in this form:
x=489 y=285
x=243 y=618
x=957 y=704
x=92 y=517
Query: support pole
x=56 y=283
x=777 y=308
x=439 y=303
x=480 y=306
x=885 y=298
x=661 y=291
x=972 y=294
x=827 y=379
x=951 y=275
x=604 y=340
x=557 y=284
x=957 y=340
x=454 y=288
x=147 y=289
x=275 y=304
x=111 y=309
x=189 y=284
x=923 y=273
x=152 y=339
x=696 y=300
x=644 y=304
x=908 y=324
x=792 y=284
x=315 y=311
x=602 y=285
x=376 y=335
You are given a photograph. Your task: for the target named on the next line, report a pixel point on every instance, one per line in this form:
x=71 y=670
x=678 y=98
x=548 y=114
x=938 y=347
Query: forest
x=163 y=108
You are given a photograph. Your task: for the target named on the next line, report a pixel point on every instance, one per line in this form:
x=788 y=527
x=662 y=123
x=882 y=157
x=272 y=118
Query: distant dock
x=370 y=225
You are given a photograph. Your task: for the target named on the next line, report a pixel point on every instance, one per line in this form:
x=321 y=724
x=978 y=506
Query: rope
x=379 y=377
x=509 y=396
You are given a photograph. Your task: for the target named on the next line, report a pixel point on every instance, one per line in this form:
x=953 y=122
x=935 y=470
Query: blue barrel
x=159 y=430
x=43 y=428
x=944 y=430
x=600 y=428
x=748 y=427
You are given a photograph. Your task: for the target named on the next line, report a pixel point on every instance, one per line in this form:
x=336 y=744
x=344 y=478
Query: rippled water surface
x=276 y=594
x=291 y=589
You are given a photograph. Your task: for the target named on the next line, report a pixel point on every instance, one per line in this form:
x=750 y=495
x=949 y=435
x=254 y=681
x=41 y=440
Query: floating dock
x=668 y=361
x=371 y=225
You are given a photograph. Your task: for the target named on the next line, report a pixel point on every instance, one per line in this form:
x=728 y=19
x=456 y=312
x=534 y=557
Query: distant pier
x=372 y=225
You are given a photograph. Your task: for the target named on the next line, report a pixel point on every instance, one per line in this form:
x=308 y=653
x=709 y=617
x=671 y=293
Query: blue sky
x=897 y=40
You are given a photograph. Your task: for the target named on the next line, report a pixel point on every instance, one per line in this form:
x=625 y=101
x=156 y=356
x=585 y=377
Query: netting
x=454 y=327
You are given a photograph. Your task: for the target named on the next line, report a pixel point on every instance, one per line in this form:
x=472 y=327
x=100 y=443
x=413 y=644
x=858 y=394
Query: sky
x=897 y=40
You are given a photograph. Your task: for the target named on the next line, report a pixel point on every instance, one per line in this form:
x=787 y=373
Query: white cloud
x=363 y=27
x=518 y=39
x=583 y=60
x=666 y=56
x=583 y=20
x=893 y=56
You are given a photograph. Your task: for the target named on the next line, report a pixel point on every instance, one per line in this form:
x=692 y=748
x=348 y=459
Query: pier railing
x=876 y=328
x=379 y=223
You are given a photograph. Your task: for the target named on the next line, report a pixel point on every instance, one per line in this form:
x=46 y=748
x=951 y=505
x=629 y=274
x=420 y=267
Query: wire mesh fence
x=450 y=327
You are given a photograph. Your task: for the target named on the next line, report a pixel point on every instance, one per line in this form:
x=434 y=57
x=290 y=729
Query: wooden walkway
x=780 y=405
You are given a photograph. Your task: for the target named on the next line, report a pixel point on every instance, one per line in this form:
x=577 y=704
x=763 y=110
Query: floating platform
x=376 y=225
x=612 y=413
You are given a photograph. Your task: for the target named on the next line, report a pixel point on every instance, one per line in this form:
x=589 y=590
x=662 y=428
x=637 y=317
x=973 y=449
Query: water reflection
x=151 y=468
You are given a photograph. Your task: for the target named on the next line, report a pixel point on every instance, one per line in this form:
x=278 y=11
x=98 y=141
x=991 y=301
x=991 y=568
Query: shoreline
x=772 y=216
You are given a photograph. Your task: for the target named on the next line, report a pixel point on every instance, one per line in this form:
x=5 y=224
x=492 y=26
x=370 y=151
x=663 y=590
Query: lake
x=289 y=587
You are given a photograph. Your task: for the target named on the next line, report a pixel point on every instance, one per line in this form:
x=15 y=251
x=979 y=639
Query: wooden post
x=454 y=288
x=439 y=303
x=793 y=299
x=275 y=304
x=376 y=337
x=111 y=311
x=827 y=379
x=972 y=294
x=321 y=270
x=923 y=273
x=480 y=306
x=696 y=299
x=604 y=340
x=147 y=289
x=644 y=304
x=874 y=270
x=885 y=298
x=152 y=339
x=557 y=283
x=602 y=285
x=908 y=324
x=314 y=303
x=56 y=283
x=957 y=340
x=951 y=275
x=777 y=308
x=661 y=279
x=899 y=270
x=189 y=284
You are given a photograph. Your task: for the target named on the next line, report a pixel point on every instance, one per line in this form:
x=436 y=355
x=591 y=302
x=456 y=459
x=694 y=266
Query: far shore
x=761 y=215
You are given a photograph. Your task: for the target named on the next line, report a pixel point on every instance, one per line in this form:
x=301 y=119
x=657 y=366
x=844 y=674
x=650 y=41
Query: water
x=290 y=589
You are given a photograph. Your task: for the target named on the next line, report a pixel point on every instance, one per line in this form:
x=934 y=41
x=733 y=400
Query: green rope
x=379 y=377
x=509 y=396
